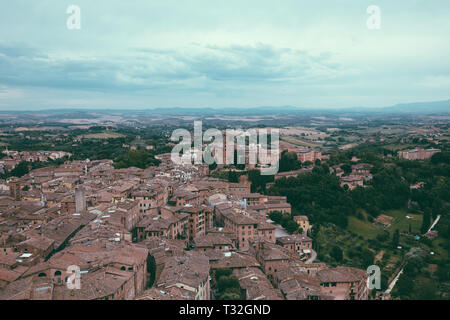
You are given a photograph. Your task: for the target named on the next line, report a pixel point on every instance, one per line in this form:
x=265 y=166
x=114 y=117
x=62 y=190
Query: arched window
x=123 y=268
x=42 y=274
x=58 y=276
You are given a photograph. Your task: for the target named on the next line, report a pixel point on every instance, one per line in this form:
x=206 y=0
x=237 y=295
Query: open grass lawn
x=401 y=222
x=439 y=248
x=301 y=143
x=362 y=228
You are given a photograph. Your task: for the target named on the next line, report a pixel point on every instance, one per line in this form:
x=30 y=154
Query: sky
x=222 y=53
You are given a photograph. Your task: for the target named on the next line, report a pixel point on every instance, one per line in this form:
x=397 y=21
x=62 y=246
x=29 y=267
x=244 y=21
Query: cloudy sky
x=222 y=53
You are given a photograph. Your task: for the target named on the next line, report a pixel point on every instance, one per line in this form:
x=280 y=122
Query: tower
x=80 y=199
x=15 y=189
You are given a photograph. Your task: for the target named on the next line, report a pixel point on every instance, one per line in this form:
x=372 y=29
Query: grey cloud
x=147 y=69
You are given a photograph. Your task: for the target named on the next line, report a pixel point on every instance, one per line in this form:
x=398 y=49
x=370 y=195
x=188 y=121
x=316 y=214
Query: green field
x=102 y=135
x=364 y=229
x=369 y=230
x=402 y=223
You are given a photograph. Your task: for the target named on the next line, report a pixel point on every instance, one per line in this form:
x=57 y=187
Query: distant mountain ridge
x=432 y=107
x=421 y=107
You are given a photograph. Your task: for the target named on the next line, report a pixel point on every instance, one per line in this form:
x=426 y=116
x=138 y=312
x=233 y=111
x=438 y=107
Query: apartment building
x=417 y=153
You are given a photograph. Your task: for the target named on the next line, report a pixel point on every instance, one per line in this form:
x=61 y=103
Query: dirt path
x=379 y=256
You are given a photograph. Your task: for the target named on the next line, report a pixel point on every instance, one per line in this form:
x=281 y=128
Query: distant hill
x=420 y=107
x=433 y=107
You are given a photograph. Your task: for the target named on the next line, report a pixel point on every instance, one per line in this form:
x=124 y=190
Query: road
x=313 y=257
x=392 y=284
x=280 y=231
x=435 y=222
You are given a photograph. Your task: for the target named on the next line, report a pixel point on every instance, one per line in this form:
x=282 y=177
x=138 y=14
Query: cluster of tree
x=348 y=250
x=259 y=181
x=289 y=162
x=317 y=194
x=136 y=158
x=20 y=170
x=441 y=157
x=364 y=256
x=227 y=285
x=233 y=176
x=96 y=149
x=409 y=286
x=285 y=220
x=387 y=190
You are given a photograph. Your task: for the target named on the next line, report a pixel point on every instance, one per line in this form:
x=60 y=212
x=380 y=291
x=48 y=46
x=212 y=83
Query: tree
x=396 y=238
x=226 y=282
x=136 y=158
x=233 y=176
x=291 y=226
x=426 y=222
x=414 y=261
x=367 y=257
x=228 y=285
x=222 y=272
x=337 y=253
x=213 y=166
x=230 y=294
x=347 y=169
x=319 y=193
x=289 y=162
x=276 y=216
x=20 y=170
x=405 y=285
x=428 y=291
x=259 y=181
x=440 y=157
